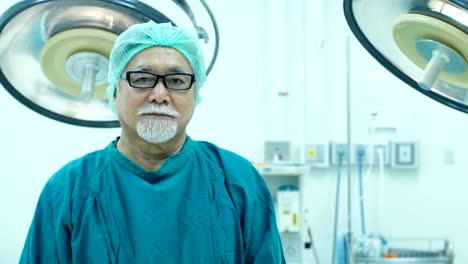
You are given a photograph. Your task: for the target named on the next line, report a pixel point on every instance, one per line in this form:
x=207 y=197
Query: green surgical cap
x=141 y=36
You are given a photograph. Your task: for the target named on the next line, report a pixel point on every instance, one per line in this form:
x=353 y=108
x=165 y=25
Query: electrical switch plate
x=317 y=155
x=405 y=154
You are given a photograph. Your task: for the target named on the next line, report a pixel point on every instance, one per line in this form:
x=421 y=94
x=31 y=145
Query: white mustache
x=158 y=109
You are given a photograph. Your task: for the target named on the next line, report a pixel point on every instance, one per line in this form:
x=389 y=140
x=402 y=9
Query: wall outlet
x=338 y=150
x=360 y=149
x=405 y=154
x=385 y=150
x=277 y=151
x=317 y=155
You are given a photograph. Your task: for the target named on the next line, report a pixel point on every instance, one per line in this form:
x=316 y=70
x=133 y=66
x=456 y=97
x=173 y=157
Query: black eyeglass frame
x=126 y=76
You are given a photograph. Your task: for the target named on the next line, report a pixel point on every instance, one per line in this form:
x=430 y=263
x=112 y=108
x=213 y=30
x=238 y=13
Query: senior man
x=154 y=195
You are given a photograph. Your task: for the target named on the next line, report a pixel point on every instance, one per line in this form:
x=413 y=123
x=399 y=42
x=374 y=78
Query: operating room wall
x=280 y=75
x=424 y=203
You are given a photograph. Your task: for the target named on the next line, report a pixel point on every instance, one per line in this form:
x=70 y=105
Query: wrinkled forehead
x=157 y=57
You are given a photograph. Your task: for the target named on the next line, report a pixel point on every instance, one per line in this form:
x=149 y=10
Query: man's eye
x=176 y=81
x=142 y=79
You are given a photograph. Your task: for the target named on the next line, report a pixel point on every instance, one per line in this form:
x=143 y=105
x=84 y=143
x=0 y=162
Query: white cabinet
x=277 y=176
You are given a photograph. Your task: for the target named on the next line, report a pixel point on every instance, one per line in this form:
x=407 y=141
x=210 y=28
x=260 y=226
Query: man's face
x=155 y=114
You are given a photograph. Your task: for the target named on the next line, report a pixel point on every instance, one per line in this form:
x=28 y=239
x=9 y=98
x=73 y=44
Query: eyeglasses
x=173 y=81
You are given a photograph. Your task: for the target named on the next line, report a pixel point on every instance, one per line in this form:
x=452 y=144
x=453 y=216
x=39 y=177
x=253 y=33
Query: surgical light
x=422 y=42
x=54 y=53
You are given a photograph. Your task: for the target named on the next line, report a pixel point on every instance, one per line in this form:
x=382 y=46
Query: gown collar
x=170 y=166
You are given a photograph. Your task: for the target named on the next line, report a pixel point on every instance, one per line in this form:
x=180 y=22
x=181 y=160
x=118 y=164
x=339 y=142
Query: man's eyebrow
x=173 y=69
x=143 y=68
x=178 y=69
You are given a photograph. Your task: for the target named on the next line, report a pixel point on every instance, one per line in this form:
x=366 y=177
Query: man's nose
x=159 y=93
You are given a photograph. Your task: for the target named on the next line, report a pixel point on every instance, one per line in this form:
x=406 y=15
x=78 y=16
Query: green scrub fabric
x=204 y=205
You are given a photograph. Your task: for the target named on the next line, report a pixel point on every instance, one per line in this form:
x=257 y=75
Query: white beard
x=157 y=130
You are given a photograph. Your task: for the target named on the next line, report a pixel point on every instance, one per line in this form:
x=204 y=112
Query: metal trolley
x=409 y=251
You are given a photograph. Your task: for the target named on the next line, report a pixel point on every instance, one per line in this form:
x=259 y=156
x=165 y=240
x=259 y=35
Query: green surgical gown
x=204 y=205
